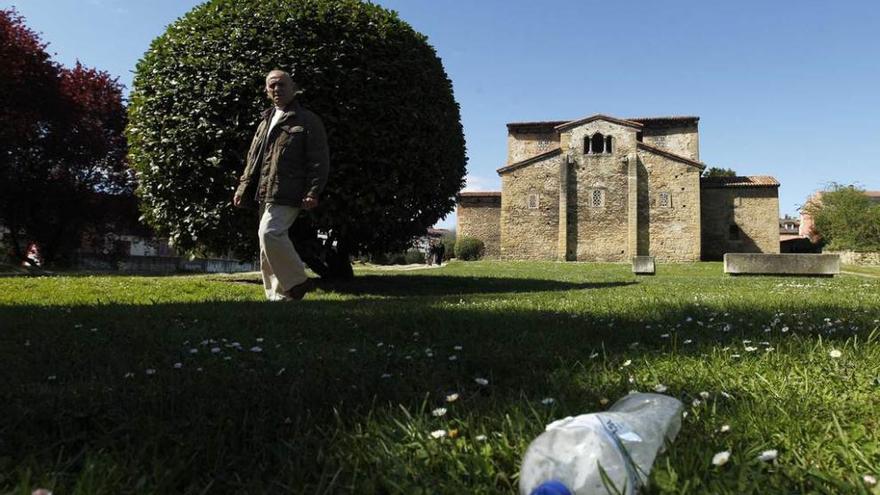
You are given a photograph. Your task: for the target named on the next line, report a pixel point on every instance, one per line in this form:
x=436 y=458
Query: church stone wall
x=480 y=217
x=753 y=210
x=670 y=232
x=526 y=145
x=681 y=140
x=598 y=233
x=531 y=233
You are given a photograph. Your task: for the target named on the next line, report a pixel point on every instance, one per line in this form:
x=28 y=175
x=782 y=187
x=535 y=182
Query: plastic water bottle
x=608 y=452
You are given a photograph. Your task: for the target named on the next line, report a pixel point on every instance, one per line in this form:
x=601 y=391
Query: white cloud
x=478 y=183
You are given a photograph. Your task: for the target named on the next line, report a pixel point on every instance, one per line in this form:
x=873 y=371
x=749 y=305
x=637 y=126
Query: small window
x=533 y=201
x=597 y=198
x=597 y=145
x=607 y=144
x=663 y=200
x=734 y=232
x=640 y=137
x=586 y=144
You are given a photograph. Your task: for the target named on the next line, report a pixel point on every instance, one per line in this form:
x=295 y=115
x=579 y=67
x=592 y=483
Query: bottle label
x=618 y=433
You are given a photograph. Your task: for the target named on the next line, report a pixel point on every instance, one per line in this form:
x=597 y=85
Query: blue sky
x=782 y=88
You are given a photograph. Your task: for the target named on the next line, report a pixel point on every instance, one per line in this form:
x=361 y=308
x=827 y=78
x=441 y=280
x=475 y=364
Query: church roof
x=479 y=194
x=530 y=160
x=746 y=181
x=598 y=116
x=671 y=156
x=548 y=126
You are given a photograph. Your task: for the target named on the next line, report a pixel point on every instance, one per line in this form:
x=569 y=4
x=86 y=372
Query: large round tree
x=394 y=130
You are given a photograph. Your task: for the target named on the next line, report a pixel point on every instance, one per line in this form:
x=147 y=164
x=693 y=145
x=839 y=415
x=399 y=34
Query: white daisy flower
x=386 y=376
x=453 y=358
x=704 y=395
x=480 y=438
x=438 y=433
x=458 y=348
x=177 y=366
x=256 y=348
x=869 y=480
x=835 y=353
x=768 y=455
x=627 y=362
x=660 y=388
x=150 y=371
x=721 y=458
x=749 y=348
x=215 y=350
x=451 y=397
x=725 y=428
x=481 y=381
x=548 y=401
x=440 y=411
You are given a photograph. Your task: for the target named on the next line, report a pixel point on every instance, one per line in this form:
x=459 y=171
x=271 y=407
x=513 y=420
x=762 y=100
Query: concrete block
x=643 y=265
x=826 y=265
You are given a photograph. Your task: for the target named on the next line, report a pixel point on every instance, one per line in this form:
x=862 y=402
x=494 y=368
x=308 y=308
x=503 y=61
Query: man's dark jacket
x=293 y=163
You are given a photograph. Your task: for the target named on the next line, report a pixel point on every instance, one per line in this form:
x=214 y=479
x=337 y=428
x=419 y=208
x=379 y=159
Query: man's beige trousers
x=280 y=264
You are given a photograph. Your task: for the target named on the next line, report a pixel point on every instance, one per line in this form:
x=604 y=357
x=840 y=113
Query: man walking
x=286 y=171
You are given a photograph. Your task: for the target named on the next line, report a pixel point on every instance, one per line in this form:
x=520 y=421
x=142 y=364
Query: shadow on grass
x=323 y=369
x=442 y=285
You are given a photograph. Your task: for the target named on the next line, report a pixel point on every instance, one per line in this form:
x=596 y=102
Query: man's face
x=280 y=90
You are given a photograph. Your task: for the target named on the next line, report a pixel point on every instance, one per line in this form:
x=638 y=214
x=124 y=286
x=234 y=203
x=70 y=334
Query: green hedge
x=469 y=248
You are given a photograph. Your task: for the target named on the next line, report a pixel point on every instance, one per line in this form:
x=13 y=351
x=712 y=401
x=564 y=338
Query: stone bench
x=643 y=265
x=822 y=265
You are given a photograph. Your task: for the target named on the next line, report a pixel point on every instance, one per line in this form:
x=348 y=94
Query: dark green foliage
x=719 y=172
x=397 y=149
x=846 y=219
x=469 y=248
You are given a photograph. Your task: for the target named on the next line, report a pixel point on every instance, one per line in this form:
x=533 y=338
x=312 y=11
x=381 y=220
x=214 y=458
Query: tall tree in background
x=845 y=218
x=719 y=172
x=394 y=130
x=61 y=142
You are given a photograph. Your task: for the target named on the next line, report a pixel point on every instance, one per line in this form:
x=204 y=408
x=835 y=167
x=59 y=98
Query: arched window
x=608 y=144
x=597 y=144
x=586 y=144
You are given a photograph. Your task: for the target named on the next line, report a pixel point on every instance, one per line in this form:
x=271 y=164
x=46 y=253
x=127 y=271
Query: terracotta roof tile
x=742 y=181
x=479 y=194
x=550 y=125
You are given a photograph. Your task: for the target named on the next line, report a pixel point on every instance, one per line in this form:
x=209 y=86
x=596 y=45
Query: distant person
x=286 y=171
x=432 y=249
x=441 y=251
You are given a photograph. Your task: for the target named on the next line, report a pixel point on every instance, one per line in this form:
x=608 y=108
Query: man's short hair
x=286 y=75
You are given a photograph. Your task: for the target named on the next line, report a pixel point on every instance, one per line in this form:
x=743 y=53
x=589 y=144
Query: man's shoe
x=297 y=292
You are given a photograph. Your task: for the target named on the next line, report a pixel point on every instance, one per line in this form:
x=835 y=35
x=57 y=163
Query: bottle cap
x=551 y=487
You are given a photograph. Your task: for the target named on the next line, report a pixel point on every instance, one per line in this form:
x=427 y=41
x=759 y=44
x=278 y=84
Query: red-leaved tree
x=61 y=142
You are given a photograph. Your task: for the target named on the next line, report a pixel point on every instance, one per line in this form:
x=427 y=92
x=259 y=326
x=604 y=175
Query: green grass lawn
x=115 y=384
x=862 y=269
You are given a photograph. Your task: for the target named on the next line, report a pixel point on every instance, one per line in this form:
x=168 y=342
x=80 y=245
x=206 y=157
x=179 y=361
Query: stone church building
x=608 y=189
